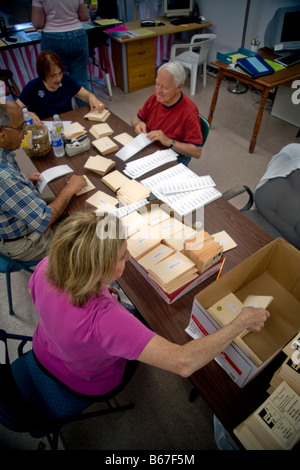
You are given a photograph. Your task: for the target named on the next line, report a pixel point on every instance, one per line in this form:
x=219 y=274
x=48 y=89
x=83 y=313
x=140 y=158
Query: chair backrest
x=203 y=42
x=15 y=414
x=204 y=128
x=278 y=201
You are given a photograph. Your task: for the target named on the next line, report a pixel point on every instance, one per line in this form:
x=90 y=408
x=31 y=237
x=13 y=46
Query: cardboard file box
x=273 y=270
x=170 y=298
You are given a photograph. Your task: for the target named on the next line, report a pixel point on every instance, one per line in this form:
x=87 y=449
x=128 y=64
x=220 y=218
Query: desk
x=134 y=59
x=265 y=84
x=230 y=403
x=21 y=57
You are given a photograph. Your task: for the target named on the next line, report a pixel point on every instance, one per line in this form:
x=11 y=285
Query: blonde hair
x=84 y=254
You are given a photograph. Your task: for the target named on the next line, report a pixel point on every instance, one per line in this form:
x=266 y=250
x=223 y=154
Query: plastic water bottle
x=57 y=143
x=27 y=117
x=57 y=123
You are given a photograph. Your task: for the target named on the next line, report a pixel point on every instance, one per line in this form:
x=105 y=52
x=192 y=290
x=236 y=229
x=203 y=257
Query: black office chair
x=274 y=206
x=8 y=266
x=33 y=401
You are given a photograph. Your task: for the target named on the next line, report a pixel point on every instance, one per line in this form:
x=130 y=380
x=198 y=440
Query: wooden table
x=230 y=403
x=134 y=59
x=265 y=84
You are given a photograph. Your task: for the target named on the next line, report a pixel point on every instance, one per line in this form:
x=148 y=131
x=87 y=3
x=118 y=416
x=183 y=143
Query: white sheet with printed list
x=138 y=143
x=187 y=184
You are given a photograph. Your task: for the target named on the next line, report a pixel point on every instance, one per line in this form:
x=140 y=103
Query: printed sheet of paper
x=52 y=174
x=138 y=143
x=184 y=202
x=150 y=162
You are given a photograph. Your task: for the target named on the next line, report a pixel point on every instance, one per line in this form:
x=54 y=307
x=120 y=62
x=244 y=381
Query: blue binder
x=255 y=66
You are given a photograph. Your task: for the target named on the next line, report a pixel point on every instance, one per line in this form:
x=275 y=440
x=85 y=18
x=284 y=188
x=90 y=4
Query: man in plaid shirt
x=26 y=221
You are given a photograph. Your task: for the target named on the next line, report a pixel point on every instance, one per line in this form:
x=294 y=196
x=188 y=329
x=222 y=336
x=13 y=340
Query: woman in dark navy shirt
x=52 y=91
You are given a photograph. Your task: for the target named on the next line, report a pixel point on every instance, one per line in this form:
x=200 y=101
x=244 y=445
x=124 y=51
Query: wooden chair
x=7 y=77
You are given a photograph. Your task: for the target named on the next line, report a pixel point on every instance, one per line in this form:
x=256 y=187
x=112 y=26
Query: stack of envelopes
x=203 y=250
x=105 y=145
x=115 y=180
x=142 y=241
x=96 y=116
x=173 y=272
x=99 y=164
x=73 y=130
x=101 y=130
x=132 y=191
x=133 y=222
x=155 y=256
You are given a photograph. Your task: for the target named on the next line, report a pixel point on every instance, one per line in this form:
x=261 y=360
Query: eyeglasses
x=21 y=128
x=56 y=75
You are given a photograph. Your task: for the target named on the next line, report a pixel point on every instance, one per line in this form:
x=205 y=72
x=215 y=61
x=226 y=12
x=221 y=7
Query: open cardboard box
x=273 y=270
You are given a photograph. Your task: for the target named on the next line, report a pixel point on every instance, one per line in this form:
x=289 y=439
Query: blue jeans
x=184 y=160
x=73 y=49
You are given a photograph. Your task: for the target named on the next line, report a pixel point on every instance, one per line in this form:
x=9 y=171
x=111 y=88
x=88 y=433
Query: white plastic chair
x=194 y=56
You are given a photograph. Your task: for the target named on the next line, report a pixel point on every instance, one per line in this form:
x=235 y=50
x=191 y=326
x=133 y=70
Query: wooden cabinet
x=140 y=64
x=139 y=57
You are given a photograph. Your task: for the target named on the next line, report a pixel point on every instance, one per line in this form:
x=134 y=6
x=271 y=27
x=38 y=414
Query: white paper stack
x=183 y=202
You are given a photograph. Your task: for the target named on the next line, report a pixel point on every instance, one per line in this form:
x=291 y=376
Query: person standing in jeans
x=62 y=32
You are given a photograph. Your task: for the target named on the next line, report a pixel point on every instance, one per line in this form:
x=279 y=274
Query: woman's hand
x=96 y=104
x=36 y=119
x=252 y=318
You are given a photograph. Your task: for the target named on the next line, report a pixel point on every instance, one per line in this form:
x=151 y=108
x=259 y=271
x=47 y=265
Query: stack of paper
x=73 y=130
x=155 y=256
x=115 y=180
x=96 y=116
x=105 y=145
x=186 y=201
x=290 y=369
x=101 y=130
x=99 y=164
x=275 y=425
x=173 y=272
x=132 y=191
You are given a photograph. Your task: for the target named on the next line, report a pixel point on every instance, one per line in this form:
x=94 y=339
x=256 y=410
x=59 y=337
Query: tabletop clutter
x=175 y=255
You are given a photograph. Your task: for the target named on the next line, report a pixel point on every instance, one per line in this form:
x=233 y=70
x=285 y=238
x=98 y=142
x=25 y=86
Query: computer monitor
x=178 y=7
x=283 y=31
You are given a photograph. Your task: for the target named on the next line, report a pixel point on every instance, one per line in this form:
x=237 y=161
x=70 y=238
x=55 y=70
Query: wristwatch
x=172 y=144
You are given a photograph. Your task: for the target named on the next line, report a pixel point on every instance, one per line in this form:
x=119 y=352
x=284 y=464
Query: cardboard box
x=273 y=270
x=170 y=298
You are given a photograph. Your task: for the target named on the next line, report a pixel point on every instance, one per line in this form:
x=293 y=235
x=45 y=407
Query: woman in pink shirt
x=85 y=336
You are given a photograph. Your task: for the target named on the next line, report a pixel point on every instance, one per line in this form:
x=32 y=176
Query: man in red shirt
x=171 y=117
